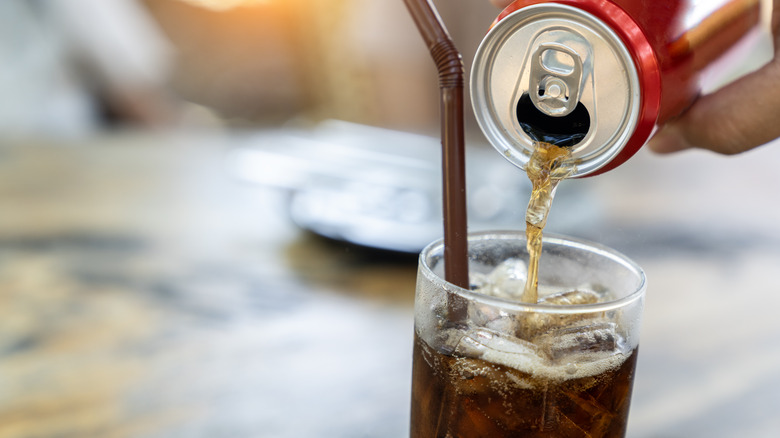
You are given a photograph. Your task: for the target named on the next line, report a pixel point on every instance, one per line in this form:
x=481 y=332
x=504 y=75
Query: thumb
x=736 y=118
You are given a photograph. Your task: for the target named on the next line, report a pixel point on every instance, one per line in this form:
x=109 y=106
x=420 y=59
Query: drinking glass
x=487 y=365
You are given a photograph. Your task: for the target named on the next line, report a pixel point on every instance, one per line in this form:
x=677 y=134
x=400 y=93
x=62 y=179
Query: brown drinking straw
x=450 y=67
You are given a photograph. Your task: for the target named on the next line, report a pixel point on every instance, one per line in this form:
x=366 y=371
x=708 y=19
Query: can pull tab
x=555 y=79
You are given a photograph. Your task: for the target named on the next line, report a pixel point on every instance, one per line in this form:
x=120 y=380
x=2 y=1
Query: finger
x=668 y=140
x=738 y=117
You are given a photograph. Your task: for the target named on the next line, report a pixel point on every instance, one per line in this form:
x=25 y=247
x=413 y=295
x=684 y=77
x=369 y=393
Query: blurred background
x=210 y=213
x=249 y=62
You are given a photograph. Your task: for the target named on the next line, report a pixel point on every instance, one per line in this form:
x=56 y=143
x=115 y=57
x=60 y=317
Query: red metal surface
x=671 y=49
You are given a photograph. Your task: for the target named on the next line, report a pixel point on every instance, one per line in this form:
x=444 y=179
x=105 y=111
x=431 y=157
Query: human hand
x=738 y=117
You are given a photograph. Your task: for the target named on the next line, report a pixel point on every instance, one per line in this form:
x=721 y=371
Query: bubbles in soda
x=532 y=375
x=562 y=382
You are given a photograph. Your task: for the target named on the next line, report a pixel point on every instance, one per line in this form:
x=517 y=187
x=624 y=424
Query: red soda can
x=598 y=76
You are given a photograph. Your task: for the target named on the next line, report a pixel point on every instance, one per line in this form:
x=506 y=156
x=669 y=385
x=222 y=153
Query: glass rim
x=517 y=306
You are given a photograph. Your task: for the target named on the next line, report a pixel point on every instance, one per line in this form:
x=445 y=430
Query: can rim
x=637 y=54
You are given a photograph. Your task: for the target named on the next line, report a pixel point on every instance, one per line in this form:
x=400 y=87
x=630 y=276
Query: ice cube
x=478 y=281
x=507 y=280
x=473 y=344
x=503 y=323
x=579 y=341
x=570 y=298
x=583 y=412
x=532 y=325
x=470 y=370
x=487 y=316
x=499 y=348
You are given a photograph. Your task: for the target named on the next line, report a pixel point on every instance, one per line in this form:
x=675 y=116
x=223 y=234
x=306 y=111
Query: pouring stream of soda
x=548 y=165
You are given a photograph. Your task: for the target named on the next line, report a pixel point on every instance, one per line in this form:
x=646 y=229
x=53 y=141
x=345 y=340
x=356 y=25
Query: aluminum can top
x=555 y=73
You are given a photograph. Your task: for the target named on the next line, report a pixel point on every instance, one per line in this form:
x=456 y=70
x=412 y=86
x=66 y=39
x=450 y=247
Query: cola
x=548 y=165
x=457 y=396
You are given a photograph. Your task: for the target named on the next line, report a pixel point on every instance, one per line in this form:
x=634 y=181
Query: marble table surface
x=145 y=292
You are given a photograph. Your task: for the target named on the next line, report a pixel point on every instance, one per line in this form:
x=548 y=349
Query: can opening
x=564 y=131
